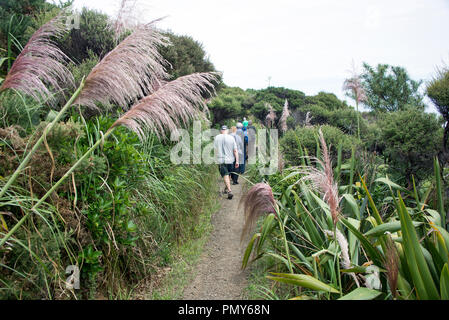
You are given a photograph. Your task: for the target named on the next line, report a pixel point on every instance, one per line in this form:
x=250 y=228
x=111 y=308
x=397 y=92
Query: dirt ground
x=218 y=273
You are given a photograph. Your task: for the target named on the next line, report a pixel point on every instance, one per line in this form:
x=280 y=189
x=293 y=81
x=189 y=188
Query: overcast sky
x=305 y=45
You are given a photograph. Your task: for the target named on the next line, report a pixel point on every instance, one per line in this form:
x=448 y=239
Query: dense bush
x=94 y=34
x=186 y=56
x=412 y=139
x=130 y=205
x=307 y=137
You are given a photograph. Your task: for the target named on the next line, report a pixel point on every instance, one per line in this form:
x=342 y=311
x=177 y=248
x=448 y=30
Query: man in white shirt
x=226 y=153
x=240 y=148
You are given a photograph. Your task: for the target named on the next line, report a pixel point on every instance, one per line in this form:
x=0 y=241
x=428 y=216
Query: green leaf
x=131 y=227
x=388 y=227
x=439 y=192
x=444 y=283
x=372 y=252
x=390 y=183
x=353 y=204
x=434 y=216
x=248 y=250
x=419 y=270
x=302 y=280
x=371 y=202
x=361 y=294
x=267 y=226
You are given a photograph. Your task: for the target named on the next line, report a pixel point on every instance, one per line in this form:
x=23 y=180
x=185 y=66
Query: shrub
x=343 y=118
x=308 y=137
x=412 y=139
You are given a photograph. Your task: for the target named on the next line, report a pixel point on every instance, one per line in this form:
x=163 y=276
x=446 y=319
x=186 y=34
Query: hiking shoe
x=230 y=195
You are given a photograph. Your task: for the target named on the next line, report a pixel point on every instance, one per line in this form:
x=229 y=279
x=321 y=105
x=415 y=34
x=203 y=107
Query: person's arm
x=236 y=154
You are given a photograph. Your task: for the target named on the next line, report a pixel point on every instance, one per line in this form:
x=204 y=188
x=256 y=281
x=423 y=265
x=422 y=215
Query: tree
x=94 y=34
x=326 y=100
x=186 y=56
x=438 y=92
x=389 y=88
x=228 y=104
x=410 y=138
x=276 y=98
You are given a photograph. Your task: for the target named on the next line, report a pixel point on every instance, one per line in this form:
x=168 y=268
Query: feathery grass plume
x=392 y=265
x=284 y=116
x=125 y=19
x=131 y=70
x=174 y=104
x=41 y=64
x=307 y=122
x=257 y=201
x=271 y=116
x=322 y=180
x=344 y=247
x=354 y=86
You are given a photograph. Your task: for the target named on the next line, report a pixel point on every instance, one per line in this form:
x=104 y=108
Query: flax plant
x=400 y=256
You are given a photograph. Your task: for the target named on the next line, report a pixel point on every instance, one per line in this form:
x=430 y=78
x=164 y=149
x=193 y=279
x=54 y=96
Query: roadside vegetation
x=357 y=210
x=355 y=217
x=86 y=180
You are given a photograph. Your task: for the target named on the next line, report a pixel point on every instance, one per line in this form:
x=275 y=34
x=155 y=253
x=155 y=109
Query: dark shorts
x=225 y=169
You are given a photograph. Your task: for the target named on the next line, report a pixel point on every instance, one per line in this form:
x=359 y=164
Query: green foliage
x=411 y=139
x=276 y=97
x=438 y=92
x=228 y=104
x=17 y=109
x=389 y=88
x=326 y=100
x=186 y=56
x=16 y=17
x=344 y=118
x=93 y=35
x=307 y=137
x=401 y=251
x=130 y=208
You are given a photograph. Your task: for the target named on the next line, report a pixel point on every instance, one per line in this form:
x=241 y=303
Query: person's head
x=233 y=129
x=224 y=129
x=250 y=122
x=239 y=125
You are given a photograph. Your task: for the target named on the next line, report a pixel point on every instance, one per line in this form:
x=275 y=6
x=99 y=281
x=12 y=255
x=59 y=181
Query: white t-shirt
x=224 y=145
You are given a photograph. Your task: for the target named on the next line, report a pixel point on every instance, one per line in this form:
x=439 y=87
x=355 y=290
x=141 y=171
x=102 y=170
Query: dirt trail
x=218 y=273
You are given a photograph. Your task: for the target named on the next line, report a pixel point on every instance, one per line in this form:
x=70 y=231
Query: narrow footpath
x=218 y=273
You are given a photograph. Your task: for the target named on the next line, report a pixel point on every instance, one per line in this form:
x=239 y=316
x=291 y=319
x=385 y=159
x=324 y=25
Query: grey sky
x=305 y=45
